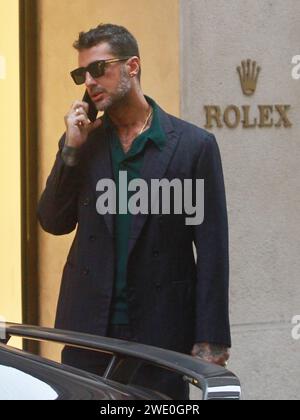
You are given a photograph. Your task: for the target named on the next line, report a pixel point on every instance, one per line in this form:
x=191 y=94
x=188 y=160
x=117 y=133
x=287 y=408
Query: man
x=134 y=276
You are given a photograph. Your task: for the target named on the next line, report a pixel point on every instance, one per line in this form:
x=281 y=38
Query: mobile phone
x=93 y=112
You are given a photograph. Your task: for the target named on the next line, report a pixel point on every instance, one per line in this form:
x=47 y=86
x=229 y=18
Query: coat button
x=155 y=254
x=85 y=271
x=86 y=202
x=92 y=238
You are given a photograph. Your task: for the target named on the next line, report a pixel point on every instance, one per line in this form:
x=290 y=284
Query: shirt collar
x=154 y=132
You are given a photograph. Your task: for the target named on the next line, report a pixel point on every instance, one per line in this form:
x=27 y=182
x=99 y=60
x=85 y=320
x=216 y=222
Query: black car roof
x=56 y=381
x=213 y=380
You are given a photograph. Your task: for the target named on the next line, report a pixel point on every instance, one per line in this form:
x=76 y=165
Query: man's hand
x=211 y=353
x=78 y=124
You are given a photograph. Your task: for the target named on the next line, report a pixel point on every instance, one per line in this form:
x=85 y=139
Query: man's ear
x=135 y=66
x=93 y=111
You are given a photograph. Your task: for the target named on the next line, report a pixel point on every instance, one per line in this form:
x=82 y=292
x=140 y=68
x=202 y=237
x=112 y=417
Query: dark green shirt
x=131 y=162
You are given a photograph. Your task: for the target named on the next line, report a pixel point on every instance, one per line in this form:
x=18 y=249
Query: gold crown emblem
x=248 y=72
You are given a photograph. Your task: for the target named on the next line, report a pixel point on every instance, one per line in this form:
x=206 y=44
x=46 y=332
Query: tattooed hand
x=211 y=353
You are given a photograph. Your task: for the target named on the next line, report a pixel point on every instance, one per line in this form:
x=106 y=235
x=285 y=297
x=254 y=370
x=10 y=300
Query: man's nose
x=89 y=80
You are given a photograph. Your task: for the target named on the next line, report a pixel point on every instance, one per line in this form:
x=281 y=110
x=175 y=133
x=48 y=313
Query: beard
x=119 y=96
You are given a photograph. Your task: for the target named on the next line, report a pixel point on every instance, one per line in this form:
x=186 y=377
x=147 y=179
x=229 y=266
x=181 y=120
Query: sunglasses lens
x=96 y=69
x=78 y=76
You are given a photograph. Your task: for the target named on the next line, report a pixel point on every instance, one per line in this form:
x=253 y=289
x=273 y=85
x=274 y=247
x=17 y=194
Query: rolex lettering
x=248 y=116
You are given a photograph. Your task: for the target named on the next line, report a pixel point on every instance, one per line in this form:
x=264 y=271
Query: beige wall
x=155 y=25
x=262 y=174
x=10 y=223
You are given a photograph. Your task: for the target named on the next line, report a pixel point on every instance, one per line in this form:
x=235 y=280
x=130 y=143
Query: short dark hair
x=122 y=43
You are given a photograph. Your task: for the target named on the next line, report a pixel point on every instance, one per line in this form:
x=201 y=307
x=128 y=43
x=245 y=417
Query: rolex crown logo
x=248 y=72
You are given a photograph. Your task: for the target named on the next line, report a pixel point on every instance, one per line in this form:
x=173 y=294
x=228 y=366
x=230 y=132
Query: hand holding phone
x=81 y=121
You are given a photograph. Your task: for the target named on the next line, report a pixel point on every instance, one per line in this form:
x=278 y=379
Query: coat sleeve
x=211 y=241
x=57 y=209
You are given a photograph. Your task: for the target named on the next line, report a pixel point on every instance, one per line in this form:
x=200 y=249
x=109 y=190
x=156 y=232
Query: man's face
x=113 y=86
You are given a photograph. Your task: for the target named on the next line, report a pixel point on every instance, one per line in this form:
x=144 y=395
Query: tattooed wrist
x=205 y=350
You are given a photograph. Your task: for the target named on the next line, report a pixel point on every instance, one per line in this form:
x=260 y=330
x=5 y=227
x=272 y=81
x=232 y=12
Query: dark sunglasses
x=95 y=69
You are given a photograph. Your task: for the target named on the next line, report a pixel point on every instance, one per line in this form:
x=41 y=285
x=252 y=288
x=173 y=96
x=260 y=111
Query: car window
x=17 y=385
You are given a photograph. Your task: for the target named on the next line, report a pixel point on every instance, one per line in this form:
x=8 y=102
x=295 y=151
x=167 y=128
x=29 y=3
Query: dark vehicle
x=24 y=376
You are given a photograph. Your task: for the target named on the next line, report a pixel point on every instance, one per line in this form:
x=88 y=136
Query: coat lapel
x=155 y=165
